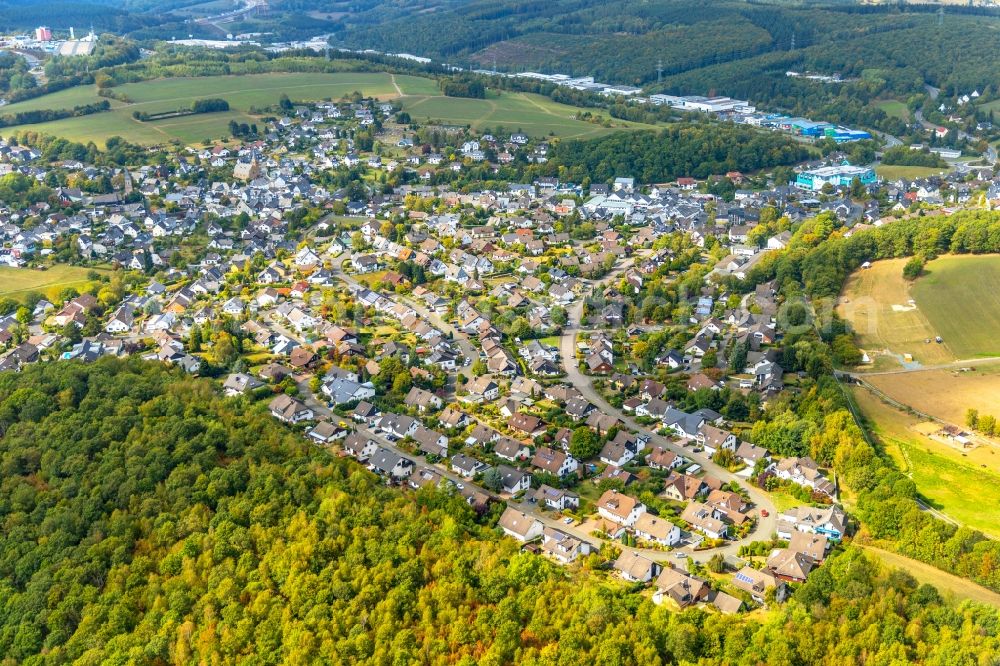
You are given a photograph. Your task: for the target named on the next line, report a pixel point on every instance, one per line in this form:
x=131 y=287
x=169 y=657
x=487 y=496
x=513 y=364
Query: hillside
x=625 y=42
x=148 y=520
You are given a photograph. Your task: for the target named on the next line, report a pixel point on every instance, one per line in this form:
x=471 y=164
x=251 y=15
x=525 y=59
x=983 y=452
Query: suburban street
x=765 y=525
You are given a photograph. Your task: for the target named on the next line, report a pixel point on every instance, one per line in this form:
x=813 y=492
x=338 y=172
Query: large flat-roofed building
x=838 y=176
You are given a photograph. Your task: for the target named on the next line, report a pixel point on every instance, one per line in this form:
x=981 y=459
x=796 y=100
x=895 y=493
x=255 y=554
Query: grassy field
x=876 y=303
x=949 y=585
x=894 y=109
x=990 y=106
x=64 y=99
x=959 y=483
x=892 y=172
x=532 y=114
x=18 y=282
x=960 y=296
x=945 y=393
x=958 y=299
x=242 y=93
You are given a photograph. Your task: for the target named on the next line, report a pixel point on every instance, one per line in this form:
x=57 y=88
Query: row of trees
x=46 y=115
x=984 y=423
x=463 y=86
x=820 y=258
x=817 y=420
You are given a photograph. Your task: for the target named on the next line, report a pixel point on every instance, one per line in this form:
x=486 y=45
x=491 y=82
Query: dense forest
x=696 y=151
x=625 y=42
x=148 y=520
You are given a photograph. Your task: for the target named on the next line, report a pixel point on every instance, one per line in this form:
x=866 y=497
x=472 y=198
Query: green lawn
x=18 y=282
x=784 y=501
x=894 y=108
x=960 y=296
x=892 y=172
x=990 y=106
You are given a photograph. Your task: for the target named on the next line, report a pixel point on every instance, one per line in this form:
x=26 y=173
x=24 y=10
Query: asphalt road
x=766 y=526
x=764 y=529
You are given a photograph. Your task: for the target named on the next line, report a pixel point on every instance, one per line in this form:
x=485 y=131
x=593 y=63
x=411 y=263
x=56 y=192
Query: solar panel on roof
x=743 y=578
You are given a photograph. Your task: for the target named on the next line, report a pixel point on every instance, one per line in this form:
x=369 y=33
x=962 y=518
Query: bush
x=914 y=268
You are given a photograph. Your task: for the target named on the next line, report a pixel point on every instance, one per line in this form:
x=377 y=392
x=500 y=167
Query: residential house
x=683 y=589
x=813 y=545
x=556 y=498
x=239 y=383
x=389 y=464
x=828 y=521
x=431 y=442
x=513 y=481
x=661 y=458
x=805 y=472
x=704 y=519
x=290 y=410
x=789 y=565
x=756 y=583
x=559 y=463
x=637 y=569
x=366 y=413
x=657 y=530
x=563 y=547
x=750 y=454
x=712 y=439
x=519 y=525
x=466 y=466
x=359 y=447
x=511 y=449
x=526 y=423
x=422 y=400
x=620 y=508
x=683 y=487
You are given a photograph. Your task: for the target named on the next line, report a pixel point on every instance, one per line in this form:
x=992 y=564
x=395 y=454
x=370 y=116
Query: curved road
x=766 y=526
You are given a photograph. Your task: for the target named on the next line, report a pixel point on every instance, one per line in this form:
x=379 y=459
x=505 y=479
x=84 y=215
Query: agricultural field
x=17 y=283
x=960 y=294
x=63 y=99
x=532 y=114
x=945 y=393
x=958 y=299
x=242 y=93
x=876 y=302
x=959 y=483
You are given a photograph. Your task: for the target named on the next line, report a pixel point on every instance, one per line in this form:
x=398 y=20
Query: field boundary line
x=852 y=408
